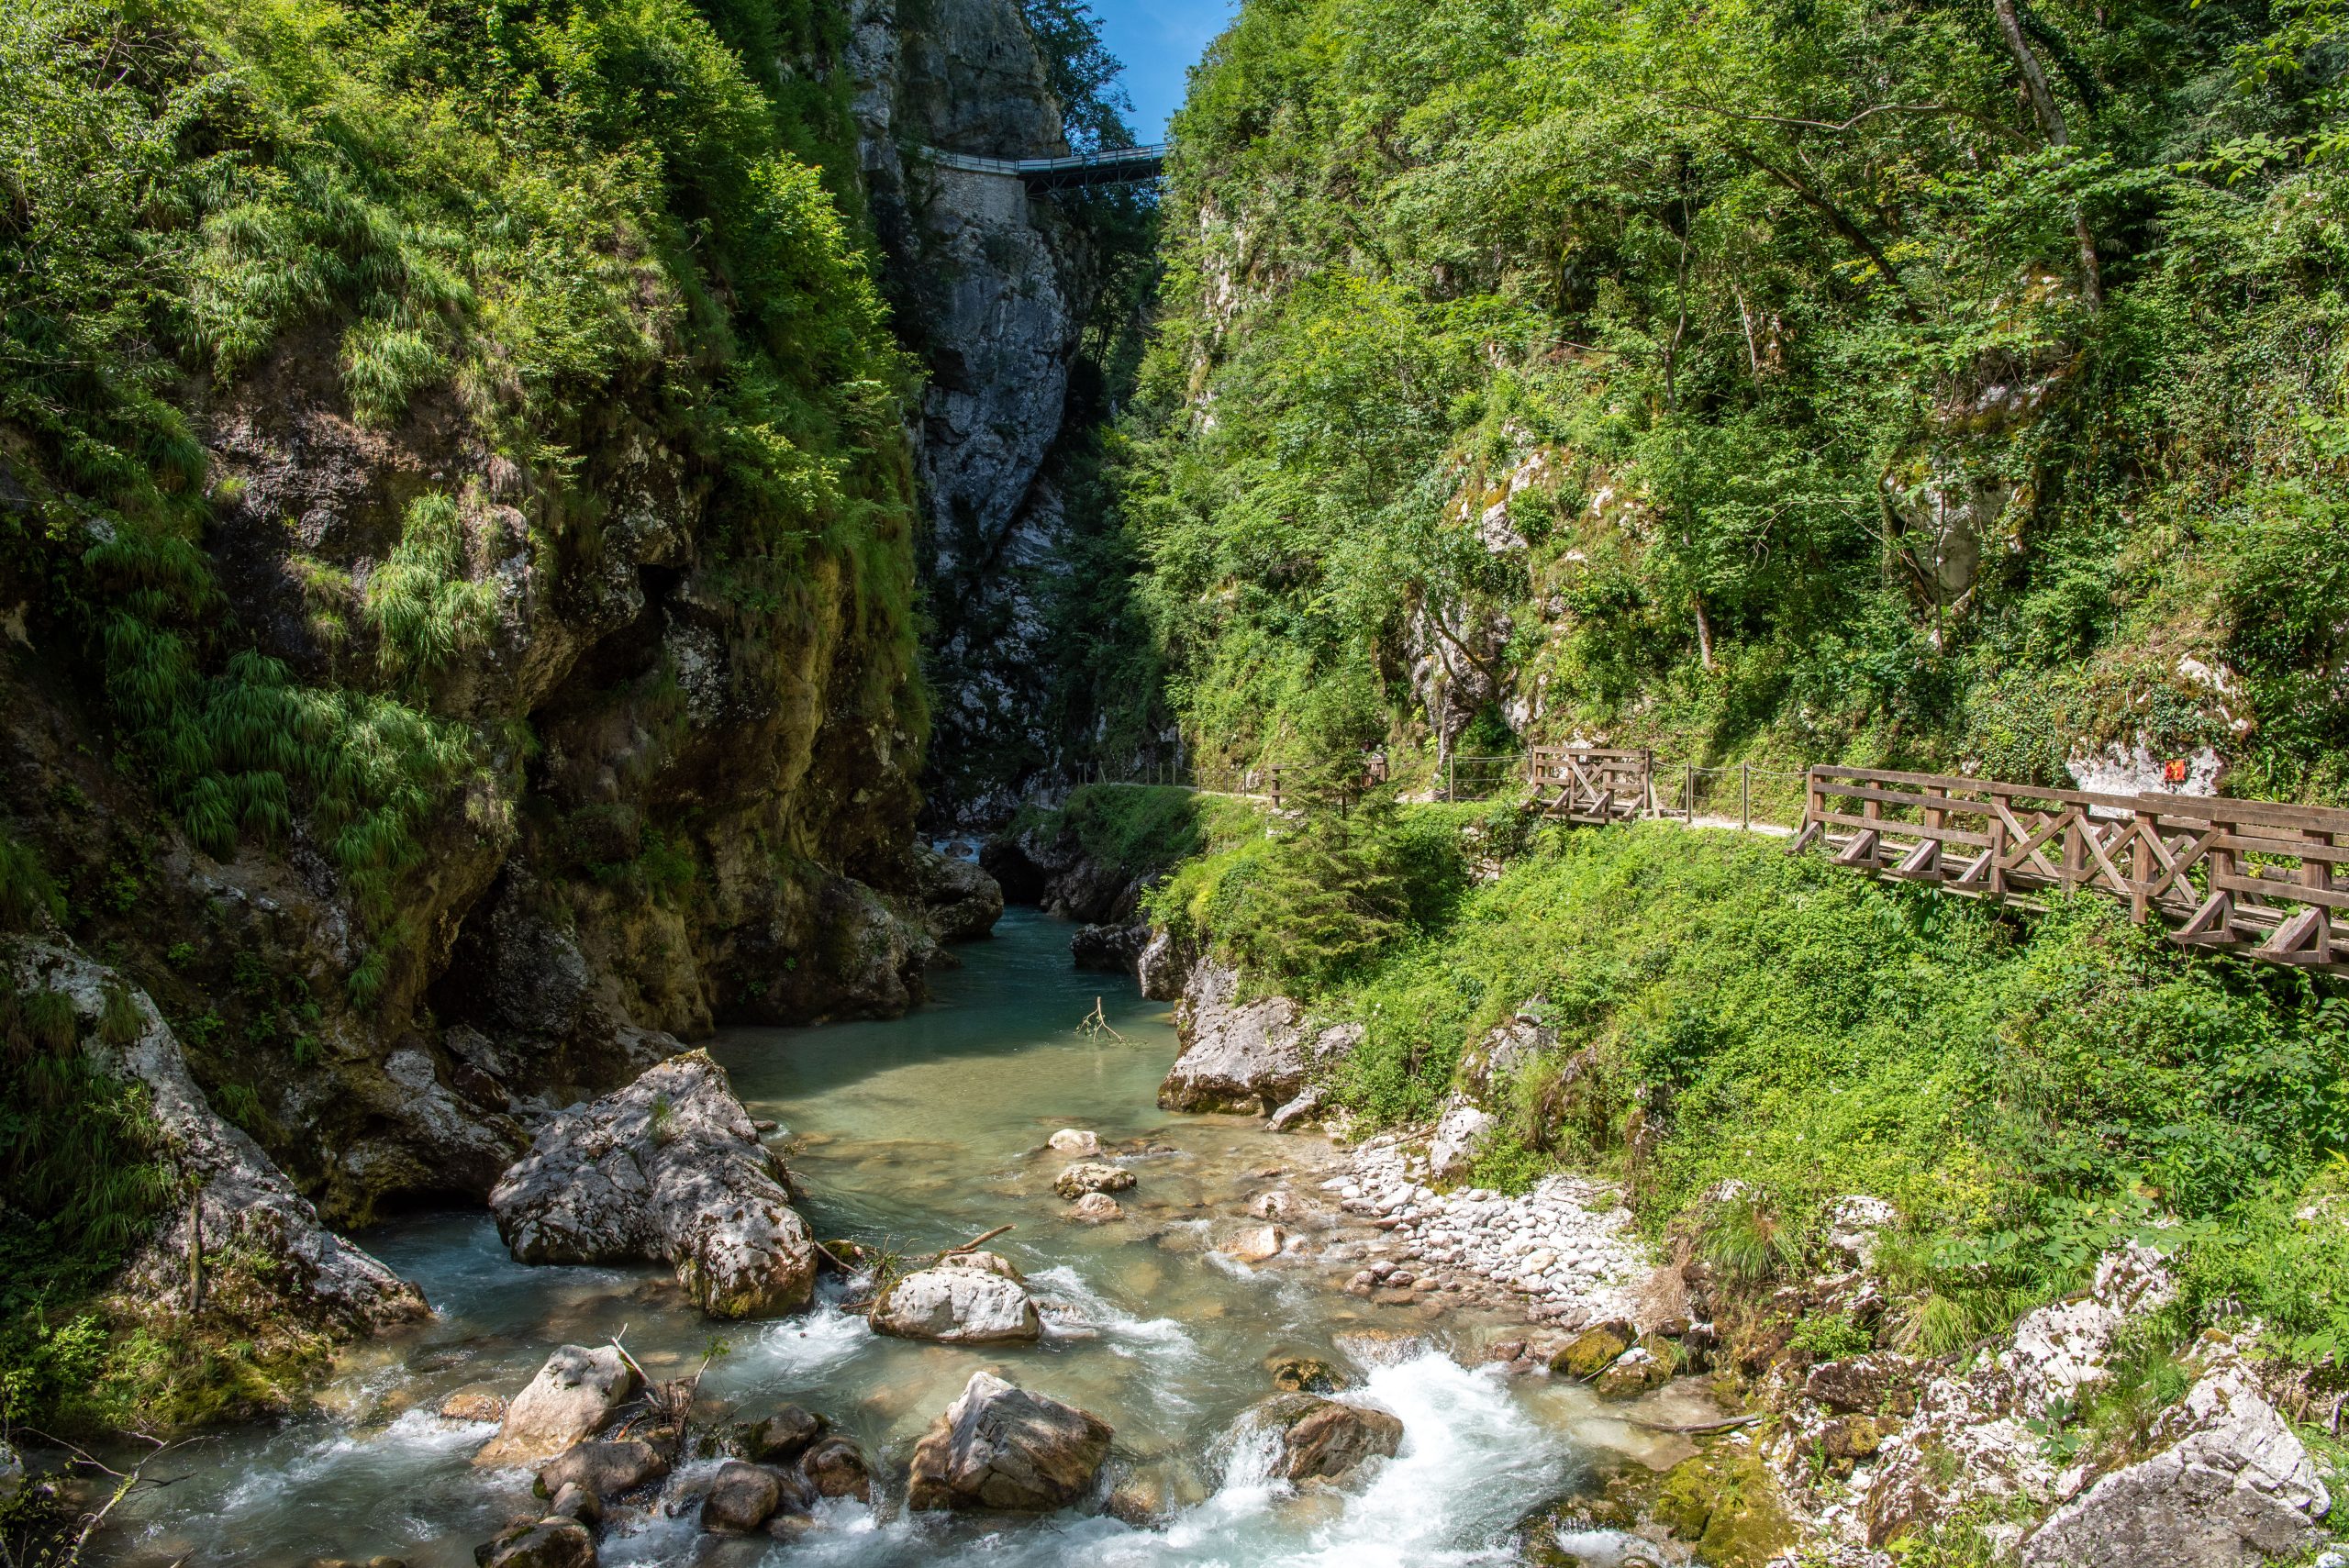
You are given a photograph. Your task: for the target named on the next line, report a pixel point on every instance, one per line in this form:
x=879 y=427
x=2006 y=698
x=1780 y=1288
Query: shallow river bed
x=921 y=1133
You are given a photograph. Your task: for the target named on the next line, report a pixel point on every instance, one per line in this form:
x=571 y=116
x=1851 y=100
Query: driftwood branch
x=1692 y=1428
x=973 y=1245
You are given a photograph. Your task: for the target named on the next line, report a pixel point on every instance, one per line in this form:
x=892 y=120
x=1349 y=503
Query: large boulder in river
x=668 y=1168
x=1237 y=1056
x=573 y=1394
x=1091 y=1177
x=2235 y=1488
x=1248 y=1057
x=969 y=1298
x=1318 y=1439
x=1001 y=1447
x=1164 y=967
x=959 y=902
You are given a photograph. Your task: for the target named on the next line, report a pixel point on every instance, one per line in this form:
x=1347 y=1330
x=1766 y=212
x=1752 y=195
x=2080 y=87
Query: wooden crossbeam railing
x=1590 y=784
x=2251 y=876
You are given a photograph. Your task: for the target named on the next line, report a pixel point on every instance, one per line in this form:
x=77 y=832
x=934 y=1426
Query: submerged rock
x=1303 y=1375
x=1000 y=1447
x=1089 y=1176
x=555 y=1541
x=1075 y=1141
x=2235 y=1486
x=604 y=1469
x=668 y=1169
x=568 y=1402
x=973 y=1298
x=1257 y=1244
x=1095 y=1208
x=1321 y=1438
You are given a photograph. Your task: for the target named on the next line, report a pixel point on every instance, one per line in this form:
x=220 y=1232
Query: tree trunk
x=2050 y=122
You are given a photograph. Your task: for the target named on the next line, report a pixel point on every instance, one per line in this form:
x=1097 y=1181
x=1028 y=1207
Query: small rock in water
x=1089 y=1176
x=1075 y=1141
x=998 y=1446
x=568 y=1402
x=1592 y=1350
x=1278 y=1204
x=741 y=1498
x=1257 y=1244
x=836 y=1467
x=1303 y=1375
x=1096 y=1207
x=959 y=1300
x=604 y=1469
x=779 y=1439
x=552 y=1543
x=572 y=1501
x=1321 y=1438
x=473 y=1405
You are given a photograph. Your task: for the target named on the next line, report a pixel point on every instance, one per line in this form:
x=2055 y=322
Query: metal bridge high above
x=1110 y=166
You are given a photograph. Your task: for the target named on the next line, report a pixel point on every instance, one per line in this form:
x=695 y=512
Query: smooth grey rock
x=1000 y=1447
x=1075 y=1141
x=2236 y=1488
x=957 y=1307
x=1246 y=1057
x=567 y=1402
x=668 y=1169
x=1299 y=1110
x=1460 y=1134
x=833 y=1466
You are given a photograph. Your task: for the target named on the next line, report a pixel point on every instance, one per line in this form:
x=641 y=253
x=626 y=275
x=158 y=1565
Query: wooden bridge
x=2249 y=876
x=2252 y=876
x=1110 y=166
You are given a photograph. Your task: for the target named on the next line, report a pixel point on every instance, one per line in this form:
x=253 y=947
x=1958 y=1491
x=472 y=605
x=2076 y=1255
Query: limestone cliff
x=995 y=291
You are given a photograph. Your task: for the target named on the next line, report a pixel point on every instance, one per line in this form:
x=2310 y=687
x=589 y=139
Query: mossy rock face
x=1592 y=1351
x=1725 y=1504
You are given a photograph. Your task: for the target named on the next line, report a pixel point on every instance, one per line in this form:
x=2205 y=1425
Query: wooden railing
x=1590 y=784
x=2253 y=875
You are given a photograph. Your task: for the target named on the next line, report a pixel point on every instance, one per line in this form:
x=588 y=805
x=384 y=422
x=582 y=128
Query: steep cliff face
x=994 y=289
x=436 y=755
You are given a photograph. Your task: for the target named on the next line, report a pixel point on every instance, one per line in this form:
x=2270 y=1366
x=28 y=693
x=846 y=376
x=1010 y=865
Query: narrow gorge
x=1581 y=807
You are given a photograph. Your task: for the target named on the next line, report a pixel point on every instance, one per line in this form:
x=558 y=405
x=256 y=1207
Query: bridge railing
x=1590 y=784
x=2251 y=874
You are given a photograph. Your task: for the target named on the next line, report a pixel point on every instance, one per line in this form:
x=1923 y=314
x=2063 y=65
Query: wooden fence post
x=1688 y=803
x=1745 y=798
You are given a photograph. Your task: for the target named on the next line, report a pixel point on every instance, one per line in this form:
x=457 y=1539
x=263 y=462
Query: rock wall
x=681 y=812
x=993 y=290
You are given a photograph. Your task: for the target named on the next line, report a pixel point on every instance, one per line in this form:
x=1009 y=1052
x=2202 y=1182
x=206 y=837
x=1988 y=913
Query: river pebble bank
x=1563 y=1252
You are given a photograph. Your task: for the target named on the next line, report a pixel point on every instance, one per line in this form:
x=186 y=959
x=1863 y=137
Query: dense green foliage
x=505 y=250
x=1841 y=400
x=1143 y=830
x=533 y=212
x=2026 y=1094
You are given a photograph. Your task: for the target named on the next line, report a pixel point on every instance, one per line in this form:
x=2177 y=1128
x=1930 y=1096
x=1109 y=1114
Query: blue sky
x=1158 y=41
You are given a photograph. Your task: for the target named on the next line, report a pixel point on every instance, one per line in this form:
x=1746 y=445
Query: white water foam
x=1074 y=1309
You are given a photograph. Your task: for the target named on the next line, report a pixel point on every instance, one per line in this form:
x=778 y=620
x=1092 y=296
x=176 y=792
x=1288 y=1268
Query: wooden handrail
x=2180 y=857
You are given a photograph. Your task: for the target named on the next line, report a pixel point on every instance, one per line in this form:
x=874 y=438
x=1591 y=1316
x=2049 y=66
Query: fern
x=420 y=605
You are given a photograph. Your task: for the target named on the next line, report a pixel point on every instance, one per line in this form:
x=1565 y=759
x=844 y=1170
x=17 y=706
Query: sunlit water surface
x=921 y=1133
